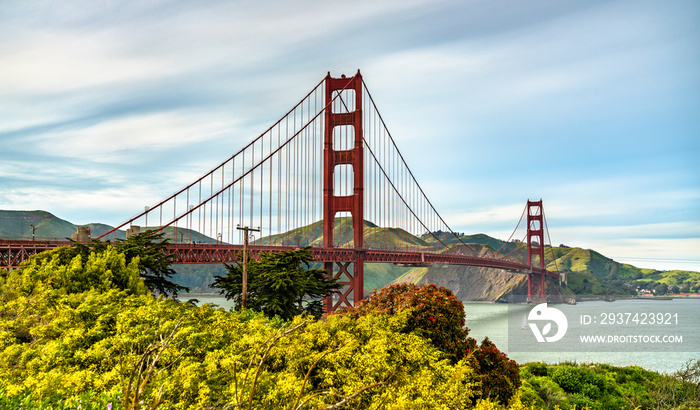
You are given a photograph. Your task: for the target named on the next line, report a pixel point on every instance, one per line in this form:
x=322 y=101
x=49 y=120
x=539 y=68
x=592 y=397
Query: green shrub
x=85 y=401
x=607 y=387
x=71 y=328
x=581 y=401
x=537 y=368
x=579 y=380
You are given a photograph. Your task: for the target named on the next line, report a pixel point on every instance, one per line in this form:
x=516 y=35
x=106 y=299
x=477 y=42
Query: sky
x=591 y=106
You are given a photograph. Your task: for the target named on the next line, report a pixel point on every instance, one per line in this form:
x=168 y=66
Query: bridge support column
x=353 y=203
x=351 y=276
x=535 y=250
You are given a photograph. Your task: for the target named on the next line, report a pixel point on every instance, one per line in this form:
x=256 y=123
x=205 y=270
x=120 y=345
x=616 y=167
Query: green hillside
x=436 y=238
x=374 y=236
x=17 y=224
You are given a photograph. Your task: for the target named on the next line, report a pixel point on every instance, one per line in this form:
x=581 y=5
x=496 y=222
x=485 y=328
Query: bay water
x=492 y=320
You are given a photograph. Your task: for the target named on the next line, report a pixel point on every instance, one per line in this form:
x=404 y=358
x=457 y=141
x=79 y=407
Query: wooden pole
x=246 y=230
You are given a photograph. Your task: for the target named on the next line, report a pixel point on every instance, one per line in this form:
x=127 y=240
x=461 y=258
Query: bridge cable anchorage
x=412 y=176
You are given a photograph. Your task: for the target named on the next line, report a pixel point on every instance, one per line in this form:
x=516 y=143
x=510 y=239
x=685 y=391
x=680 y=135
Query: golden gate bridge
x=329 y=168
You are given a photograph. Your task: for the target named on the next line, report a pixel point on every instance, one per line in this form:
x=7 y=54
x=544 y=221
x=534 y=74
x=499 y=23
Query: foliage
x=574 y=379
x=63 y=270
x=87 y=333
x=278 y=284
x=343 y=361
x=602 y=386
x=85 y=401
x=147 y=249
x=159 y=353
x=154 y=261
x=500 y=376
x=435 y=313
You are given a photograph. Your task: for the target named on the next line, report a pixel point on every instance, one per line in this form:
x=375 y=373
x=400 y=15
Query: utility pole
x=246 y=231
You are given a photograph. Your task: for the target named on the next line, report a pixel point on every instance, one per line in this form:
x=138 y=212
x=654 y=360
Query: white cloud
x=54 y=62
x=110 y=206
x=127 y=139
x=656 y=253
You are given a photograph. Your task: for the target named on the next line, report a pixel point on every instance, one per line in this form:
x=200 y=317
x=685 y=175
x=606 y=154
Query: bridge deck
x=14 y=252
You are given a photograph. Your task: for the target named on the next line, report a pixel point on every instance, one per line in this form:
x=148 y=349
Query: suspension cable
x=259 y=164
x=412 y=176
x=513 y=233
x=214 y=169
x=551 y=246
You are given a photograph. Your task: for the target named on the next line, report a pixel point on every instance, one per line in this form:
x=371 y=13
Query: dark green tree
x=662 y=289
x=279 y=284
x=154 y=260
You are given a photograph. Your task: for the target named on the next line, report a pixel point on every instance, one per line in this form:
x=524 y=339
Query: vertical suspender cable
x=241 y=190
x=269 y=205
x=279 y=183
x=286 y=165
x=252 y=182
x=262 y=176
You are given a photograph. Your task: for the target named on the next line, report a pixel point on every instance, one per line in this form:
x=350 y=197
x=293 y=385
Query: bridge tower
x=535 y=249
x=350 y=272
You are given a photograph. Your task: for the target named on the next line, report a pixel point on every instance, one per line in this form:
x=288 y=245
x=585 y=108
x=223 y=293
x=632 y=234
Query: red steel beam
x=202 y=253
x=14 y=252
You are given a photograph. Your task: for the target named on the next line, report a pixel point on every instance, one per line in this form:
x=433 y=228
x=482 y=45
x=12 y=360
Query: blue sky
x=593 y=106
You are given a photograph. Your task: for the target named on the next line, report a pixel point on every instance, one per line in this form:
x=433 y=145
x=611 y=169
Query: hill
x=588 y=272
x=18 y=224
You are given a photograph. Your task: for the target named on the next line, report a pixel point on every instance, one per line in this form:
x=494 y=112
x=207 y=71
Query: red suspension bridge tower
x=535 y=250
x=354 y=202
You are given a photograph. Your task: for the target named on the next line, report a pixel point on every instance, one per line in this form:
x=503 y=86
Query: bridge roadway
x=14 y=252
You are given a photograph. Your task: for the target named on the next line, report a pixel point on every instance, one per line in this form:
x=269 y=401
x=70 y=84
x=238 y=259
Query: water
x=491 y=319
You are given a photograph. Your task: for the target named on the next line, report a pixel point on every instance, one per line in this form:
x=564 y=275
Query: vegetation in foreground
x=86 y=332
